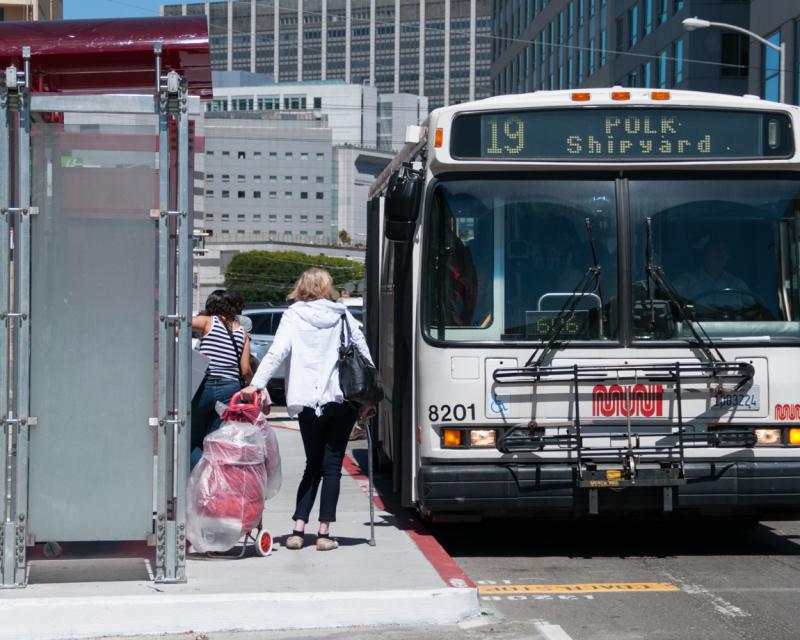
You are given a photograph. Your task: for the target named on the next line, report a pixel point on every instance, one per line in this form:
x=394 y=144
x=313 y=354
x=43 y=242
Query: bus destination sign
x=622 y=134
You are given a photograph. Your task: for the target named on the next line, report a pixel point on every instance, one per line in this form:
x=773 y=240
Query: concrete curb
x=60 y=618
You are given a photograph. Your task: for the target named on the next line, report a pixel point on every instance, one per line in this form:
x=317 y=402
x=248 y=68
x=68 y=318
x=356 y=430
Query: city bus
x=587 y=303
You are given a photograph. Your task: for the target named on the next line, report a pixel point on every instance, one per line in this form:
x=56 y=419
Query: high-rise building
x=31 y=10
x=562 y=44
x=778 y=21
x=436 y=48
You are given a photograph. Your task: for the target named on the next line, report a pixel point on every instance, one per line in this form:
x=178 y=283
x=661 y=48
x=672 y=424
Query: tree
x=268 y=276
x=344 y=237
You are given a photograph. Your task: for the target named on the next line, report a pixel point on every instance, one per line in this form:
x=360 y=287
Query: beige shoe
x=326 y=544
x=294 y=542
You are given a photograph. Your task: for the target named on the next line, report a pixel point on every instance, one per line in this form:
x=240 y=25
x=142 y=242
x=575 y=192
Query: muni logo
x=639 y=400
x=787 y=411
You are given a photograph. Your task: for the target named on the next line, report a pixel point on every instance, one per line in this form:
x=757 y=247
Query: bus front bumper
x=719 y=488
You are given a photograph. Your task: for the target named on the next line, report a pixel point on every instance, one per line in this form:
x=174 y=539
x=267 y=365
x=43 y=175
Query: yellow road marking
x=599 y=587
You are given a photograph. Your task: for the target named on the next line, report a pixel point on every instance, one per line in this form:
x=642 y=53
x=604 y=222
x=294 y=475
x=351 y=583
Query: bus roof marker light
x=437 y=141
x=659 y=95
x=620 y=95
x=581 y=96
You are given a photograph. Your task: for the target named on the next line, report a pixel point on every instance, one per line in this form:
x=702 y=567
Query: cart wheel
x=263 y=543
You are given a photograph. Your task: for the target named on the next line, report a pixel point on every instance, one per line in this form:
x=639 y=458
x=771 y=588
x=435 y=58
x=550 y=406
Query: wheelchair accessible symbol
x=498 y=406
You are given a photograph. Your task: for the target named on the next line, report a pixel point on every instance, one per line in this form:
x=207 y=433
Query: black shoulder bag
x=359 y=380
x=242 y=383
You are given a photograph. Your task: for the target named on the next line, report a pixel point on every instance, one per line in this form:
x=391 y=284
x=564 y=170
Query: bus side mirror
x=401 y=204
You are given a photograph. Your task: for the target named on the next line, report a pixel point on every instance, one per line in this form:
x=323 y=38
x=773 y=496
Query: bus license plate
x=746 y=400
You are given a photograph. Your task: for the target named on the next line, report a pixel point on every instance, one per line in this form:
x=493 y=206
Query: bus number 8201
x=447 y=413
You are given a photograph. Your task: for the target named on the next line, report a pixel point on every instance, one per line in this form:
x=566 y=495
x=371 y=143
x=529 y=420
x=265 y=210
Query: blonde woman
x=309 y=335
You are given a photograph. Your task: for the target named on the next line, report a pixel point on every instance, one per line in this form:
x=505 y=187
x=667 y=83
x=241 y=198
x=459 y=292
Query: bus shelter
x=96 y=217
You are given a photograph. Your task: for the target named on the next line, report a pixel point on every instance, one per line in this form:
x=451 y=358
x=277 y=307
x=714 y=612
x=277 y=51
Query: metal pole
x=368 y=429
x=7 y=525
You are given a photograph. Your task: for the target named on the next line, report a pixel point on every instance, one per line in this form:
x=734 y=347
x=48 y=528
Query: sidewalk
x=406 y=579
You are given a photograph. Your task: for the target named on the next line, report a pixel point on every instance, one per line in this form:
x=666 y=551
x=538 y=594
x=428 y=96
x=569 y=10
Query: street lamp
x=690 y=24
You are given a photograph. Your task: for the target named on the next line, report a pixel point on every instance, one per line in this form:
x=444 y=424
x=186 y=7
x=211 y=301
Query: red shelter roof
x=113 y=55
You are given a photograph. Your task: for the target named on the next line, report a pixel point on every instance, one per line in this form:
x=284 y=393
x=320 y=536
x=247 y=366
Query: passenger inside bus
x=711 y=282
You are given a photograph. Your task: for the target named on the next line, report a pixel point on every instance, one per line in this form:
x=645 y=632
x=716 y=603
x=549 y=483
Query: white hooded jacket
x=308 y=335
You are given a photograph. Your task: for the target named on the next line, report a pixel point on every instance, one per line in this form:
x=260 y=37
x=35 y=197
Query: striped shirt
x=216 y=345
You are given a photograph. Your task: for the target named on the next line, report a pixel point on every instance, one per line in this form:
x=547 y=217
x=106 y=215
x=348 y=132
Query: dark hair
x=217 y=304
x=236 y=300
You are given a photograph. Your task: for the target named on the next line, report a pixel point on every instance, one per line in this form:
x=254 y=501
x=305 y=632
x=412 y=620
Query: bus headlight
x=794 y=436
x=485 y=437
x=768 y=436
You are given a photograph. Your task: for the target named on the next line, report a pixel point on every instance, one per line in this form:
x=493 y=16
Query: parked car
x=265 y=324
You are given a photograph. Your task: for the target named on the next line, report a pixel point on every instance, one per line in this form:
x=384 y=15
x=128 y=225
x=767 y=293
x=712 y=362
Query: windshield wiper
x=570 y=305
x=656 y=276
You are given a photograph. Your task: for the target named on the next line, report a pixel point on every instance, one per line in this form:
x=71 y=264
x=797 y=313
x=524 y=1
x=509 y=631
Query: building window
x=677 y=63
x=303 y=179
x=240 y=217
x=225 y=232
x=209 y=193
x=226 y=216
x=240 y=178
x=304 y=195
x=647 y=74
x=677 y=5
x=662 y=70
x=735 y=55
x=226 y=194
x=226 y=177
x=240 y=194
x=320 y=156
x=303 y=218
x=320 y=195
x=209 y=153
x=273 y=178
x=633 y=79
x=320 y=180
x=288 y=178
x=320 y=218
x=257 y=194
x=256 y=154
x=318 y=103
x=273 y=234
x=304 y=156
x=256 y=232
x=273 y=154
x=256 y=217
x=209 y=176
x=209 y=216
x=273 y=216
x=273 y=195
x=770 y=69
x=289 y=154
x=287 y=217
x=648 y=16
x=287 y=194
x=226 y=154
x=633 y=26
x=256 y=178
x=663 y=11
x=240 y=232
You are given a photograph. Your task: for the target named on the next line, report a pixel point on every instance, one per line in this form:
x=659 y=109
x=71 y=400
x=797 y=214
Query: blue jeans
x=205 y=418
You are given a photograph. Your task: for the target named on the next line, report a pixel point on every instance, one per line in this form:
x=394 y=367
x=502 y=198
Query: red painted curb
x=434 y=553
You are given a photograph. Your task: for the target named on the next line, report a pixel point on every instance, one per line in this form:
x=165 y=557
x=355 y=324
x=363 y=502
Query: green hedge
x=268 y=276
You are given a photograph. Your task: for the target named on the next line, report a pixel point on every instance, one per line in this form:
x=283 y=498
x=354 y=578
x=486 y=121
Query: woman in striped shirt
x=226 y=344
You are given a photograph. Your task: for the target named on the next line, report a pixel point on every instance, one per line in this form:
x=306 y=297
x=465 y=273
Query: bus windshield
x=506 y=255
x=729 y=248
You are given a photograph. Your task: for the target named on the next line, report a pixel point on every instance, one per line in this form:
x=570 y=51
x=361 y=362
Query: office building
x=563 y=44
x=31 y=10
x=268 y=177
x=395 y=112
x=436 y=48
x=354 y=171
x=779 y=22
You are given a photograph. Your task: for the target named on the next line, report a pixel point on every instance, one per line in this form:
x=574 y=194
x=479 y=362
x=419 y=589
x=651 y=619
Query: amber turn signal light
x=794 y=436
x=452 y=437
x=581 y=96
x=659 y=95
x=620 y=95
x=437 y=140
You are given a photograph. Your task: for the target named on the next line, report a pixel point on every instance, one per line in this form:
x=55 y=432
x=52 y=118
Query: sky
x=113 y=8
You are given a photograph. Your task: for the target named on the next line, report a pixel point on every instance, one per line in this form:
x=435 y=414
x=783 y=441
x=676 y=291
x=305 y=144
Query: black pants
x=325 y=441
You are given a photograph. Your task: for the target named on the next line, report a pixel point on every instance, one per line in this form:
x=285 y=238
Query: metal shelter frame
x=173 y=106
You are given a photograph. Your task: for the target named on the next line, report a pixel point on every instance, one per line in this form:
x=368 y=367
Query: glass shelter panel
x=93 y=302
x=507 y=255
